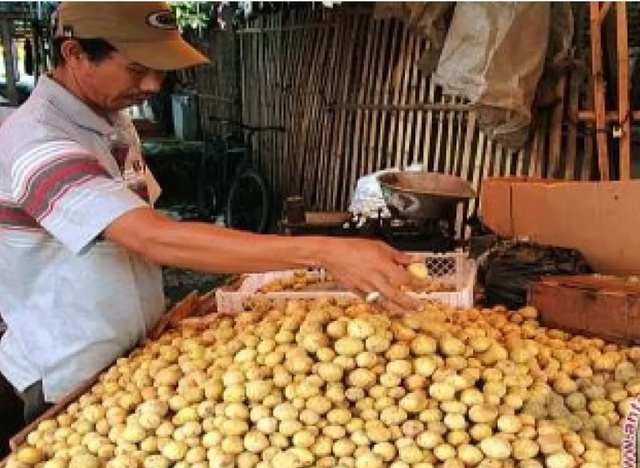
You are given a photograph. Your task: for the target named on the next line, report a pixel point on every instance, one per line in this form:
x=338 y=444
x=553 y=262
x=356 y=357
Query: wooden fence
x=348 y=91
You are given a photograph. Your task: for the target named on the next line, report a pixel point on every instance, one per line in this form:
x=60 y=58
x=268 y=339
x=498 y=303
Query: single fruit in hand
x=419 y=270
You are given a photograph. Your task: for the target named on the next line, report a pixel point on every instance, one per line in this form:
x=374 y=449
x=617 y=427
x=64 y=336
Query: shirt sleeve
x=69 y=193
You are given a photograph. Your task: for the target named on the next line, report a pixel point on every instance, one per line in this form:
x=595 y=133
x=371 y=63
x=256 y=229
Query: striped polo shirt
x=72 y=301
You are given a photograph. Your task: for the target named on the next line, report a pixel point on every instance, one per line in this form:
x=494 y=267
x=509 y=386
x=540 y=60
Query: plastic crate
x=453 y=268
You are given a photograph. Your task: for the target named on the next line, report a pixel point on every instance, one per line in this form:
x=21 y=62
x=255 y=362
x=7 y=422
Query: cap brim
x=162 y=55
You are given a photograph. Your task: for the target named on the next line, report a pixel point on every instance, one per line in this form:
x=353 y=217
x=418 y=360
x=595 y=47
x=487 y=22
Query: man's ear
x=72 y=52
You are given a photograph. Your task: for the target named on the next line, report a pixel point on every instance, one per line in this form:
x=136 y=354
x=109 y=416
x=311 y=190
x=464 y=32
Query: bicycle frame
x=224 y=159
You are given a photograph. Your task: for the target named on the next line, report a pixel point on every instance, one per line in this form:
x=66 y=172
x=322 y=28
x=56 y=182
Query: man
x=80 y=282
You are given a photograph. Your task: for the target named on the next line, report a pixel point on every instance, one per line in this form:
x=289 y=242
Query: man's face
x=116 y=82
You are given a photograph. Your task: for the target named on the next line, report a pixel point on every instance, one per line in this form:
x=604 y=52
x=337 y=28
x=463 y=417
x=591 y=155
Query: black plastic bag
x=509 y=267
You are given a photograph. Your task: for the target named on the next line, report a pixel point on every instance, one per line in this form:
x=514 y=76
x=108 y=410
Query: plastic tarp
x=493 y=54
x=507 y=270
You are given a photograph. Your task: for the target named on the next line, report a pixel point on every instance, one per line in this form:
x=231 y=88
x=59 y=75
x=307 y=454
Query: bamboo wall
x=347 y=89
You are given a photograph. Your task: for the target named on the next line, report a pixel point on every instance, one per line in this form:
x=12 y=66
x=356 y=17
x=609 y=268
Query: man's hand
x=363 y=265
x=366 y=266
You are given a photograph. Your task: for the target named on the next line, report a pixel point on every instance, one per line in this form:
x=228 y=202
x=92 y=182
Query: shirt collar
x=74 y=109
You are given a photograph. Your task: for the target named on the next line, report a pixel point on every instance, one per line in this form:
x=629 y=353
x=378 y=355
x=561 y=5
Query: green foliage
x=194 y=16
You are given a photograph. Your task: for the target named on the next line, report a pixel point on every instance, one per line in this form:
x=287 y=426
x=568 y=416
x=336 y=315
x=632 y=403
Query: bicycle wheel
x=249 y=202
x=207 y=197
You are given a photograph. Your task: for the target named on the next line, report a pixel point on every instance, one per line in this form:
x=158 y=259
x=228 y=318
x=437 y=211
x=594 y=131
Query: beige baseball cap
x=146 y=32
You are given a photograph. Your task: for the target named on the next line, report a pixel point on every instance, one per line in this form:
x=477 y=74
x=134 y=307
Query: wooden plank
x=476 y=163
x=623 y=91
x=277 y=155
x=430 y=161
x=328 y=119
x=611 y=116
x=316 y=129
x=396 y=85
x=244 y=65
x=280 y=29
x=305 y=159
x=604 y=10
x=406 y=122
x=572 y=127
x=183 y=309
x=298 y=43
x=498 y=155
x=412 y=131
x=262 y=99
x=589 y=140
x=412 y=106
x=364 y=66
x=463 y=164
x=345 y=133
x=450 y=151
x=262 y=140
x=461 y=121
x=421 y=131
x=290 y=156
x=555 y=130
x=535 y=158
x=598 y=91
x=408 y=67
x=334 y=148
x=273 y=155
x=543 y=148
x=376 y=77
x=520 y=157
x=467 y=166
x=484 y=153
x=311 y=105
x=393 y=30
x=440 y=135
x=345 y=69
x=490 y=156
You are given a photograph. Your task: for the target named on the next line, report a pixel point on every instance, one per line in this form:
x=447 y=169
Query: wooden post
x=624 y=117
x=587 y=160
x=572 y=128
x=555 y=130
x=598 y=90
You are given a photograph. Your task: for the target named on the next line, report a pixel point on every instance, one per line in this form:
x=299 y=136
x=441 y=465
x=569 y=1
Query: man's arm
x=362 y=265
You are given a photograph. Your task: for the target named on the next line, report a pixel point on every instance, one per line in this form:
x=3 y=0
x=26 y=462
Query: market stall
x=290 y=369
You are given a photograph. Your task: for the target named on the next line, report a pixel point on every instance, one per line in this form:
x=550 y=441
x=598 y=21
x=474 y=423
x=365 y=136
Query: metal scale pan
x=423 y=195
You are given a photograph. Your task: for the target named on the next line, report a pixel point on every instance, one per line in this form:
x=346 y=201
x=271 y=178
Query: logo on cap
x=162 y=19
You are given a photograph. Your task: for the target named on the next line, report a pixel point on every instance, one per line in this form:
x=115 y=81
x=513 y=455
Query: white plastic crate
x=453 y=268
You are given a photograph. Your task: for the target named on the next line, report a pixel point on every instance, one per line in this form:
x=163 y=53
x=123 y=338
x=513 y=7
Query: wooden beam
x=424 y=106
x=587 y=159
x=606 y=6
x=304 y=27
x=572 y=127
x=624 y=119
x=555 y=130
x=598 y=90
x=611 y=116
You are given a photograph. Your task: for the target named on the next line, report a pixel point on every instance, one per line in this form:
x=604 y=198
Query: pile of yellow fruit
x=302 y=280
x=299 y=281
x=334 y=384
